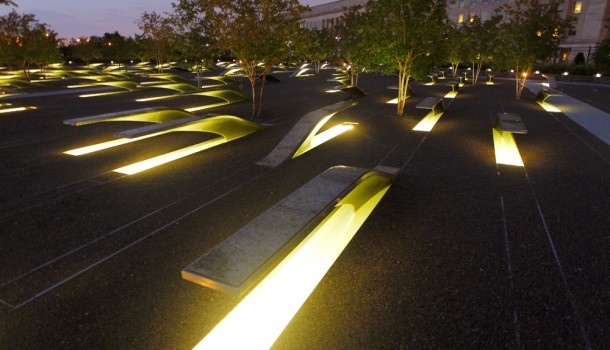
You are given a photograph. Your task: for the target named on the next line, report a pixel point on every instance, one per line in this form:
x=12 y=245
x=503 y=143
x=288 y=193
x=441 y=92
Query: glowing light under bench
x=15 y=109
x=314 y=139
x=259 y=319
x=506 y=149
x=169 y=157
x=109 y=144
x=428 y=122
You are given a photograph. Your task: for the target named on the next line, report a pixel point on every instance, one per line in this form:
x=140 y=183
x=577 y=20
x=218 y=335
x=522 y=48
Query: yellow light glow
x=393 y=101
x=332 y=91
x=102 y=94
x=108 y=144
x=428 y=122
x=258 y=320
x=169 y=157
x=156 y=98
x=211 y=105
x=15 y=109
x=313 y=140
x=545 y=84
x=451 y=94
x=506 y=148
x=430 y=83
x=331 y=133
x=549 y=107
x=490 y=83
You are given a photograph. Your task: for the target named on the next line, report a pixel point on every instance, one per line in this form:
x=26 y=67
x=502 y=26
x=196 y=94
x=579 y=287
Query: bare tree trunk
x=403 y=84
x=253 y=84
x=518 y=95
x=260 y=96
x=454 y=68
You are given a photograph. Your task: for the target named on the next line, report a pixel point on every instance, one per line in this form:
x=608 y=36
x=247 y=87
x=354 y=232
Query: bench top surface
x=242 y=256
x=149 y=129
x=429 y=103
x=293 y=139
x=105 y=116
x=510 y=122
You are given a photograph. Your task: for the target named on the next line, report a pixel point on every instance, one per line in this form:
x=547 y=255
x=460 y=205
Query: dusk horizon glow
x=75 y=18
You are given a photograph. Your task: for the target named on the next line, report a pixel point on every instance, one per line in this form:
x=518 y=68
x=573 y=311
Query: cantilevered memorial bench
x=409 y=89
x=151 y=115
x=454 y=85
x=302 y=136
x=352 y=90
x=544 y=94
x=509 y=122
x=433 y=79
x=243 y=259
x=435 y=104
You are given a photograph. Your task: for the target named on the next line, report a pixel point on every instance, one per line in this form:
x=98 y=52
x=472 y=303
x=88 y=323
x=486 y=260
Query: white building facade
x=588 y=30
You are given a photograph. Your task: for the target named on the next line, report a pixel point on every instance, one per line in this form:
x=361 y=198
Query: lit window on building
x=471 y=17
x=577 y=7
x=565 y=55
x=460 y=18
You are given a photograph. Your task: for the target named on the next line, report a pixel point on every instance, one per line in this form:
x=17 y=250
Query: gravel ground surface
x=460 y=253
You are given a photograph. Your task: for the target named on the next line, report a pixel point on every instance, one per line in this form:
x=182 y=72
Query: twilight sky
x=76 y=18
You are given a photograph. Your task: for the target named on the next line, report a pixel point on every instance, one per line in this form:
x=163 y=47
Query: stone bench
x=432 y=103
x=302 y=132
x=141 y=114
x=544 y=94
x=243 y=259
x=454 y=85
x=509 y=122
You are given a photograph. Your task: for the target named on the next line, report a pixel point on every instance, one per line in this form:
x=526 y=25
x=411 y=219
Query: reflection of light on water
x=258 y=320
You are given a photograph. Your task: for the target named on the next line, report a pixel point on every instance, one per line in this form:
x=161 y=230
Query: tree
x=482 y=39
x=257 y=32
x=315 y=45
x=406 y=36
x=87 y=49
x=602 y=56
x=350 y=44
x=115 y=47
x=7 y=3
x=160 y=33
x=456 y=47
x=24 y=41
x=530 y=31
x=195 y=40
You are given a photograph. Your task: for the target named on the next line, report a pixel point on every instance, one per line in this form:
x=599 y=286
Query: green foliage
x=602 y=56
x=315 y=45
x=87 y=49
x=258 y=34
x=406 y=36
x=349 y=40
x=482 y=39
x=24 y=41
x=194 y=37
x=531 y=31
x=159 y=33
x=116 y=47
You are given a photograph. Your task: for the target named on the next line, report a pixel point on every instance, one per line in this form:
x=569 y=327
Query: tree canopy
x=257 y=33
x=406 y=36
x=25 y=41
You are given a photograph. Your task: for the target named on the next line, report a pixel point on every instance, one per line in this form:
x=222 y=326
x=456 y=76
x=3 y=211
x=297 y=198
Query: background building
x=588 y=30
